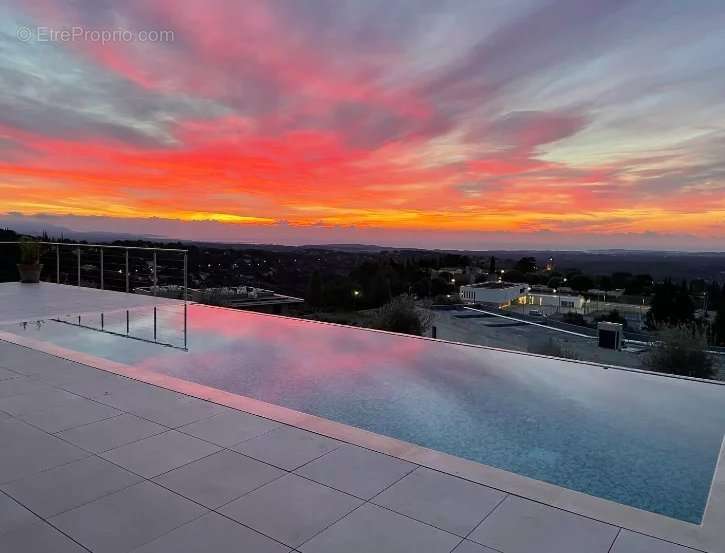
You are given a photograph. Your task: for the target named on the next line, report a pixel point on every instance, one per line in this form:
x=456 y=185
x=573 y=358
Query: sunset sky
x=461 y=124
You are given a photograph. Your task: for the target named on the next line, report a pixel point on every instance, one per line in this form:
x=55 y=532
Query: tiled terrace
x=95 y=461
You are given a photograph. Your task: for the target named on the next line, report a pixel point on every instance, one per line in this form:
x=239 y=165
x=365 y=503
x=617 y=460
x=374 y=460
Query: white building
x=563 y=302
x=499 y=293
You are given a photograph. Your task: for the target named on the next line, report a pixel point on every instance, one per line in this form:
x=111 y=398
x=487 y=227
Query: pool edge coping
x=708 y=536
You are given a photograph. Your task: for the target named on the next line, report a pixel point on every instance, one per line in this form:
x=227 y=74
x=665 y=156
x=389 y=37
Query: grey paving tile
x=291 y=509
x=631 y=542
x=69 y=415
x=37 y=537
x=6 y=374
x=356 y=470
x=471 y=547
x=44 y=399
x=111 y=433
x=13 y=514
x=21 y=386
x=27 y=450
x=88 y=382
x=229 y=428
x=522 y=526
x=29 y=361
x=213 y=533
x=160 y=453
x=59 y=372
x=125 y=520
x=219 y=478
x=56 y=490
x=287 y=447
x=112 y=389
x=372 y=529
x=159 y=405
x=441 y=500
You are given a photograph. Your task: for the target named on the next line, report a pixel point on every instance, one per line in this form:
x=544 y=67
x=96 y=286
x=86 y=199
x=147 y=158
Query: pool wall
x=708 y=536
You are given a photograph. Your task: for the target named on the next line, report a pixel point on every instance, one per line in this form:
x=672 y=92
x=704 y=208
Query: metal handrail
x=100 y=246
x=58 y=245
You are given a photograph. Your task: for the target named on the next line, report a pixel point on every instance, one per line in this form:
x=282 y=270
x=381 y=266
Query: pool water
x=647 y=441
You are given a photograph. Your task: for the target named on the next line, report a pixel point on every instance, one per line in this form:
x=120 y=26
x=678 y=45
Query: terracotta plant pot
x=30 y=273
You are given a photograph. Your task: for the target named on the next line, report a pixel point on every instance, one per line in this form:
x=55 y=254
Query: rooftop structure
x=119 y=456
x=239 y=297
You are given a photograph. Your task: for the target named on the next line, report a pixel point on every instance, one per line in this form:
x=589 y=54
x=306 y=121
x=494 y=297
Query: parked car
x=537 y=314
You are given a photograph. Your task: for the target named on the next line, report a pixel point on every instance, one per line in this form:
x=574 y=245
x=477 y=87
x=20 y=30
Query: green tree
x=492 y=265
x=314 y=294
x=671 y=305
x=718 y=325
x=580 y=283
x=526 y=265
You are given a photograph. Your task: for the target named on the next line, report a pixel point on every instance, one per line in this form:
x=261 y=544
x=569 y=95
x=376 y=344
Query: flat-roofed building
x=499 y=293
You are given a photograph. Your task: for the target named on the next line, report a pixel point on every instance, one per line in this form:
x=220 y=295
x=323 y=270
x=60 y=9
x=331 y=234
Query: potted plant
x=30 y=265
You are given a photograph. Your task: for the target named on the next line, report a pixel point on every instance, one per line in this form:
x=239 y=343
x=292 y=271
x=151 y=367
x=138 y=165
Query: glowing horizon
x=420 y=118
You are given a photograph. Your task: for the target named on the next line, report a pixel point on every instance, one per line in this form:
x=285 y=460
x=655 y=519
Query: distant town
x=550 y=303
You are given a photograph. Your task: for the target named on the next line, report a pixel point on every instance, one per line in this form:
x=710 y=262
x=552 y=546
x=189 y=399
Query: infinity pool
x=647 y=441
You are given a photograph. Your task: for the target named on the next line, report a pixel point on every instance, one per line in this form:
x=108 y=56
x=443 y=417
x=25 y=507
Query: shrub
x=681 y=350
x=29 y=251
x=402 y=315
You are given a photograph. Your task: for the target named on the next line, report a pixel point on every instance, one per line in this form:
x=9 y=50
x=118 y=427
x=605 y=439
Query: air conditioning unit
x=611 y=335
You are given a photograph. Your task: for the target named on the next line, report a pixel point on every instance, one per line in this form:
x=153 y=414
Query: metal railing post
x=154 y=323
x=184 y=325
x=186 y=272
x=127 y=324
x=127 y=272
x=57 y=264
x=79 y=265
x=155 y=277
x=101 y=268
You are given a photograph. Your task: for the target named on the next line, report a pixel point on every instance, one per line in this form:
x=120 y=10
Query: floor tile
x=38 y=537
x=56 y=490
x=125 y=520
x=27 y=450
x=60 y=372
x=229 y=428
x=49 y=398
x=94 y=384
x=213 y=533
x=522 y=526
x=158 y=454
x=69 y=415
x=183 y=410
x=372 y=529
x=13 y=514
x=287 y=447
x=291 y=509
x=471 y=547
x=218 y=479
x=355 y=470
x=6 y=374
x=21 y=386
x=111 y=433
x=631 y=542
x=159 y=405
x=441 y=500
